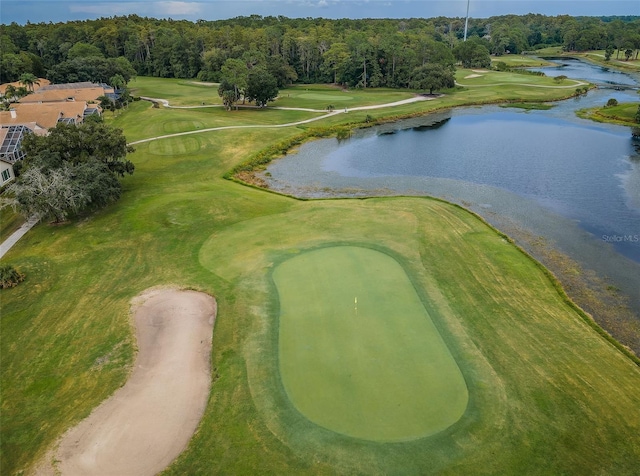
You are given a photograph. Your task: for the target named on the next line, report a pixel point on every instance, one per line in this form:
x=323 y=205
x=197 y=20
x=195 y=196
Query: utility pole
x=466 y=22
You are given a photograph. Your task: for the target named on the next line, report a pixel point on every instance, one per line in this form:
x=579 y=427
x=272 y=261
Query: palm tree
x=10 y=93
x=118 y=82
x=29 y=79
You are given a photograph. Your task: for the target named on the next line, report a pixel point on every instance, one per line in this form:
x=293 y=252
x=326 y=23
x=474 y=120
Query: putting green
x=358 y=351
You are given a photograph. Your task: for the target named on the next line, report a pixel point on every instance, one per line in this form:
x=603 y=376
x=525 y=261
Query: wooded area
x=357 y=53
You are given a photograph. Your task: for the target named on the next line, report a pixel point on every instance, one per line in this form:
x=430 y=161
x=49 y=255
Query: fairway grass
x=546 y=393
x=358 y=352
x=527 y=357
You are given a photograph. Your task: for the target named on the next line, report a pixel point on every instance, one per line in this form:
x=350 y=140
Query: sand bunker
x=147 y=423
x=472 y=76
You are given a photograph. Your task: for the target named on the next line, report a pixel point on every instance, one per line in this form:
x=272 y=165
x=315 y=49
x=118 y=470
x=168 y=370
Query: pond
x=574 y=182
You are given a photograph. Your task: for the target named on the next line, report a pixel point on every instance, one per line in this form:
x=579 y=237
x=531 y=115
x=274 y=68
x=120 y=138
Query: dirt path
x=147 y=423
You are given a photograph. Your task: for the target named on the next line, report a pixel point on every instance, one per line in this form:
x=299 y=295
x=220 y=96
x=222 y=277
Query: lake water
x=574 y=182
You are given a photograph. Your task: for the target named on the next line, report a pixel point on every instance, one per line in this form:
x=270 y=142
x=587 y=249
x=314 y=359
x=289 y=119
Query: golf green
x=358 y=351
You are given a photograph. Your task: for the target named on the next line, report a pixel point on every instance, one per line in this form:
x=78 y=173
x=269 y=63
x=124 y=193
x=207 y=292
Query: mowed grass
x=358 y=352
x=547 y=394
x=179 y=92
x=526 y=356
x=320 y=96
x=487 y=78
x=520 y=61
x=143 y=121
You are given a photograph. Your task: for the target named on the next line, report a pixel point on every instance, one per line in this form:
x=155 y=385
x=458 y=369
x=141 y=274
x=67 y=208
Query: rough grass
x=10 y=221
x=547 y=394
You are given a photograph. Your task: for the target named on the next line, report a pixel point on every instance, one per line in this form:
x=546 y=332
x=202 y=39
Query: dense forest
x=364 y=53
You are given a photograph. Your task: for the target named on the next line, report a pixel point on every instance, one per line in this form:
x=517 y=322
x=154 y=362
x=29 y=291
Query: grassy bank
x=547 y=394
x=623 y=114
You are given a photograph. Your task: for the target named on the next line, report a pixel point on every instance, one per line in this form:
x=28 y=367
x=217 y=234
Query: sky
x=36 y=11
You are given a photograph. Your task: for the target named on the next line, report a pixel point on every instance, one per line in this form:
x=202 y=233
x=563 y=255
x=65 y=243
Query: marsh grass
x=623 y=114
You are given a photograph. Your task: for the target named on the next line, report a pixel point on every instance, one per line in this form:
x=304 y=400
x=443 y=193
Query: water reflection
x=572 y=181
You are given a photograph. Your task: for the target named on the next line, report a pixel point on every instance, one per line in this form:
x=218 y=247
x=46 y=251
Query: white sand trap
x=147 y=423
x=473 y=76
x=479 y=70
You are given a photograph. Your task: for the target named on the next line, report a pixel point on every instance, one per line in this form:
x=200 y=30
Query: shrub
x=343 y=134
x=612 y=102
x=9 y=277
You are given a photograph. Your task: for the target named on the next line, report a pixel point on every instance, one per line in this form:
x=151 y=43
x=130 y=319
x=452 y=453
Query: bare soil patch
x=147 y=423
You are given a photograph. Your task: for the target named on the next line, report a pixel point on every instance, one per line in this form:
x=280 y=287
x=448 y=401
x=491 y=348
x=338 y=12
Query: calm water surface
x=573 y=182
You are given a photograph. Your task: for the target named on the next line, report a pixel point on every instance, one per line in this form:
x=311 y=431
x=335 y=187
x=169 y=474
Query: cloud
x=155 y=9
x=180 y=8
x=106 y=8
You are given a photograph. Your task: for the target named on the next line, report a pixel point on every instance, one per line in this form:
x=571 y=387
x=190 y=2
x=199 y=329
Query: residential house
x=10 y=151
x=85 y=91
x=38 y=112
x=47 y=115
x=17 y=84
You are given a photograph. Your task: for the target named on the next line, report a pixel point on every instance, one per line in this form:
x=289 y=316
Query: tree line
x=356 y=53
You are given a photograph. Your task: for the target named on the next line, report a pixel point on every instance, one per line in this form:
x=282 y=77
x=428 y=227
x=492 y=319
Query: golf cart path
x=16 y=235
x=148 y=422
x=289 y=124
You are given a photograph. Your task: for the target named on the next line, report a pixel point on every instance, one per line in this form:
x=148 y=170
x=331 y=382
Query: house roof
x=66 y=94
x=79 y=85
x=45 y=115
x=43 y=83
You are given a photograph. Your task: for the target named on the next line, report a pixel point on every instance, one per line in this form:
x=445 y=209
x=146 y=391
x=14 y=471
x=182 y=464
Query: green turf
x=179 y=92
x=547 y=394
x=10 y=221
x=520 y=61
x=624 y=114
x=326 y=97
x=358 y=351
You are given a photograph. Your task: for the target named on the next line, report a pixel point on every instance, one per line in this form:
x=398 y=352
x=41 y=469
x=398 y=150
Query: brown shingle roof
x=46 y=115
x=43 y=82
x=58 y=95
